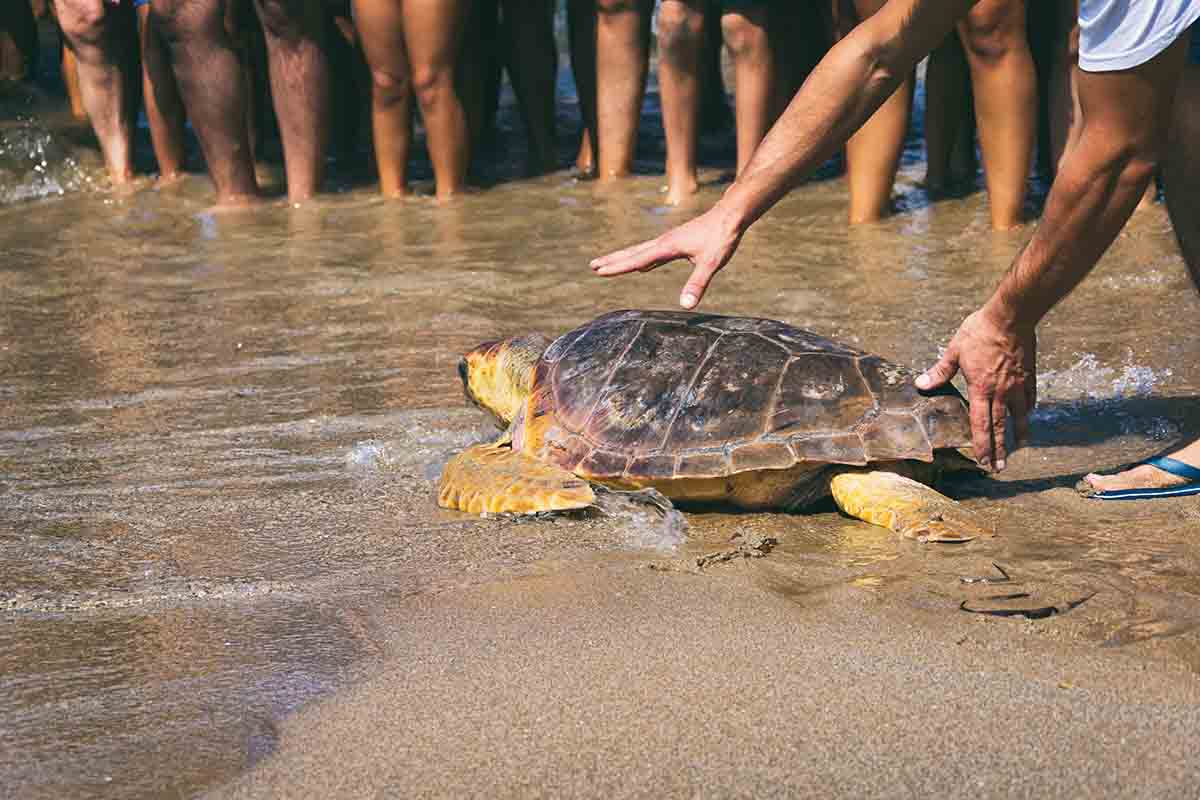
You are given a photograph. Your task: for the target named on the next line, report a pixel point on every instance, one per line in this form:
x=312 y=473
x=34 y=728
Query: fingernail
x=922 y=381
x=1000 y=465
x=688 y=300
x=985 y=463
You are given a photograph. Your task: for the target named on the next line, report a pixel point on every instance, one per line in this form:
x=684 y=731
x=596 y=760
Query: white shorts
x=1122 y=34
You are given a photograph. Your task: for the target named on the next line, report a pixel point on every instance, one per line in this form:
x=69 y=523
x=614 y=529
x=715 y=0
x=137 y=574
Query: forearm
x=850 y=83
x=1126 y=115
x=1092 y=198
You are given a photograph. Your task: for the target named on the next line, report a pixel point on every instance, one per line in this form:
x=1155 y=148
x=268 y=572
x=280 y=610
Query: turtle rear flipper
x=908 y=507
x=497 y=479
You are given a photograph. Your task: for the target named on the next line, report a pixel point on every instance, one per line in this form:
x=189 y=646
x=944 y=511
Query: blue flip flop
x=1171 y=465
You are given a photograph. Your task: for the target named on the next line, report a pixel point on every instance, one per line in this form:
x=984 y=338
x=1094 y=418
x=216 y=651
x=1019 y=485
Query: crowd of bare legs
x=318 y=65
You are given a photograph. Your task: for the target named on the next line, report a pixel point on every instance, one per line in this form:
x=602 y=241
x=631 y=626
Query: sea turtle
x=706 y=408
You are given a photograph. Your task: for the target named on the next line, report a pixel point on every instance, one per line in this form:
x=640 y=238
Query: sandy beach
x=623 y=681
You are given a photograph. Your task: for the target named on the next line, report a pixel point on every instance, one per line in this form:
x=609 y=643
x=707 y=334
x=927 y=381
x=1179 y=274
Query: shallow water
x=219 y=435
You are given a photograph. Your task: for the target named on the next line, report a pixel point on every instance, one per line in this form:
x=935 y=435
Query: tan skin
x=90 y=27
x=212 y=83
x=164 y=108
x=873 y=152
x=681 y=43
x=1005 y=87
x=1181 y=179
x=412 y=48
x=1126 y=117
x=622 y=63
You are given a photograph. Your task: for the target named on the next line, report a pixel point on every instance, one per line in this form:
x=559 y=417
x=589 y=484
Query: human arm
x=1126 y=116
x=851 y=82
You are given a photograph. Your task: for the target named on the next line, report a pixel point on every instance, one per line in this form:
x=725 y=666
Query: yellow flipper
x=907 y=507
x=494 y=478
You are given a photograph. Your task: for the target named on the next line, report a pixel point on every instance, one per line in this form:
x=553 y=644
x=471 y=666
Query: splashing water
x=34 y=163
x=647 y=518
x=1088 y=379
x=1088 y=387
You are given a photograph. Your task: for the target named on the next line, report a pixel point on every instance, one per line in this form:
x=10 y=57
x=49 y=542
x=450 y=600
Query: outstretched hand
x=708 y=241
x=1000 y=365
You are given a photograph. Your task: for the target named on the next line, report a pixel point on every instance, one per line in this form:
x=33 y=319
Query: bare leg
x=715 y=113
x=1064 y=100
x=380 y=27
x=581 y=29
x=532 y=61
x=295 y=33
x=680 y=46
x=70 y=74
x=91 y=34
x=210 y=81
x=346 y=73
x=478 y=71
x=797 y=44
x=164 y=109
x=432 y=34
x=18 y=40
x=1064 y=105
x=946 y=111
x=873 y=153
x=1181 y=179
x=622 y=62
x=754 y=73
x=1005 y=87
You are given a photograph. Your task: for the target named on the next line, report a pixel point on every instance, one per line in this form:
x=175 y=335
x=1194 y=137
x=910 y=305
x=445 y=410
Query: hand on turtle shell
x=1000 y=365
x=708 y=241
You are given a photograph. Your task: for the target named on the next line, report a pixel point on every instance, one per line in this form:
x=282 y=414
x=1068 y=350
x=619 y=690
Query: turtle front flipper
x=908 y=507
x=498 y=479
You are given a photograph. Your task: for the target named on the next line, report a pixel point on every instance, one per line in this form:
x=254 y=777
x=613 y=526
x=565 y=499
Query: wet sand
x=221 y=565
x=607 y=681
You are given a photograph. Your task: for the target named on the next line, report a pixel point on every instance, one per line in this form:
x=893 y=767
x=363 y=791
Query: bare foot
x=680 y=192
x=585 y=160
x=166 y=179
x=234 y=203
x=129 y=185
x=1143 y=476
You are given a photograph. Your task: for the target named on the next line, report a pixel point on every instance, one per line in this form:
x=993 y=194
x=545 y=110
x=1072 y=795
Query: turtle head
x=498 y=376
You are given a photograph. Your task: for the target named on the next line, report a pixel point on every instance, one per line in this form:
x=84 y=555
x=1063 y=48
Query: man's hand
x=999 y=362
x=708 y=241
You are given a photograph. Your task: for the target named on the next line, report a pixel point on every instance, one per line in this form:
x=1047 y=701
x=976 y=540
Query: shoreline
x=614 y=680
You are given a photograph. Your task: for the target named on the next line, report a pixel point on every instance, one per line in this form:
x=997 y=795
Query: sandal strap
x=1175 y=467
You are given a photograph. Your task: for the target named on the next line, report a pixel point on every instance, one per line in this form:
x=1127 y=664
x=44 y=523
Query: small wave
x=1089 y=387
x=1088 y=379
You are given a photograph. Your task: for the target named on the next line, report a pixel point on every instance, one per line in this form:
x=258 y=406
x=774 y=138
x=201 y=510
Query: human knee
x=743 y=36
x=432 y=85
x=287 y=20
x=992 y=30
x=604 y=7
x=389 y=87
x=680 y=31
x=178 y=20
x=83 y=21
